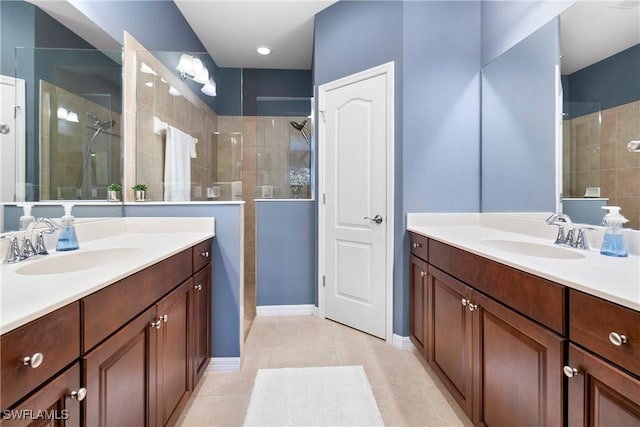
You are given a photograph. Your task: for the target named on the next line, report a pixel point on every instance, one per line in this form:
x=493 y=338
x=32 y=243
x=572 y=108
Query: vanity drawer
x=56 y=336
x=533 y=296
x=419 y=246
x=201 y=255
x=592 y=320
x=107 y=310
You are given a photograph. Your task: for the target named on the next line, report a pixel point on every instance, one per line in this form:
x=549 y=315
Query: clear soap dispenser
x=67 y=239
x=613 y=242
x=26 y=217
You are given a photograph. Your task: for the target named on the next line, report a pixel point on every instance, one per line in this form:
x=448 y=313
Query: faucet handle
x=41 y=248
x=27 y=249
x=13 y=255
x=560 y=238
x=581 y=240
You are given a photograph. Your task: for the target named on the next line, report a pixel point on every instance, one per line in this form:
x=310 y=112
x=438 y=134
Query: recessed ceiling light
x=263 y=50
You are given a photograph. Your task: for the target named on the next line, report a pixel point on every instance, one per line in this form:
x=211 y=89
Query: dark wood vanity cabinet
x=55 y=404
x=604 y=363
x=418 y=289
x=201 y=325
x=137 y=348
x=501 y=367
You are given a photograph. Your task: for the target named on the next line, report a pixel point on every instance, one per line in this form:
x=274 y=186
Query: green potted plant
x=113 y=192
x=140 y=192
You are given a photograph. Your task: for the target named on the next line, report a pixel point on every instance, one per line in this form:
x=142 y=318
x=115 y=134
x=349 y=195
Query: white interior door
x=355 y=213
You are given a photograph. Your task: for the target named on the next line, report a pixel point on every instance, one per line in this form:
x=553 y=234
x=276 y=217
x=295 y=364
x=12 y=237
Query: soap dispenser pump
x=613 y=242
x=67 y=239
x=26 y=217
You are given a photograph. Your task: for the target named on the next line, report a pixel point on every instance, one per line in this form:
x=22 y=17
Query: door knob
x=377 y=219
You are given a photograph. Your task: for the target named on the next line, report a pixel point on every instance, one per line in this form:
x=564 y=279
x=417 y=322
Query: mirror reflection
x=600 y=48
x=80 y=145
x=73 y=147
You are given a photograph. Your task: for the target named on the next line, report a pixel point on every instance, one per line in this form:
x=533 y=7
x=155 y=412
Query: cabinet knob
x=417 y=245
x=33 y=361
x=198 y=287
x=79 y=395
x=156 y=324
x=164 y=318
x=617 y=339
x=205 y=254
x=464 y=302
x=422 y=274
x=472 y=307
x=570 y=372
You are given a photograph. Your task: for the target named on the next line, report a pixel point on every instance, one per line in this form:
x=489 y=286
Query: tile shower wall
x=598 y=155
x=63 y=145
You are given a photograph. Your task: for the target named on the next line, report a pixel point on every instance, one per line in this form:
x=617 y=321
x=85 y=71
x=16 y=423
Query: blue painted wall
x=286 y=246
x=225 y=268
x=611 y=82
x=441 y=119
x=505 y=23
x=274 y=83
x=518 y=125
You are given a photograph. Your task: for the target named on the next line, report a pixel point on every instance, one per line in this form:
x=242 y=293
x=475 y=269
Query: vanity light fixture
x=209 y=88
x=72 y=117
x=263 y=50
x=62 y=113
x=192 y=68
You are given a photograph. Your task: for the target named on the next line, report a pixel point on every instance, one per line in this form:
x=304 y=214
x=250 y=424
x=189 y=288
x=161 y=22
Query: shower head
x=100 y=124
x=298 y=126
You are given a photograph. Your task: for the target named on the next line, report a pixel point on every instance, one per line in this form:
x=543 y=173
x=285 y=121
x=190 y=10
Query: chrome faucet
x=562 y=220
x=16 y=254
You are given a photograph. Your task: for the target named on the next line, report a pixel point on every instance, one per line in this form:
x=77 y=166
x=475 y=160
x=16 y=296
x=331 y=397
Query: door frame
x=20 y=135
x=388 y=70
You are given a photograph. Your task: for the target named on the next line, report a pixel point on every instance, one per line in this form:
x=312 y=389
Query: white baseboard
x=403 y=343
x=224 y=364
x=286 y=310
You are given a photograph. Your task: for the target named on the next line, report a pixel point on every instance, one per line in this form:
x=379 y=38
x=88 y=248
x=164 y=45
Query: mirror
x=599 y=44
x=73 y=123
x=600 y=48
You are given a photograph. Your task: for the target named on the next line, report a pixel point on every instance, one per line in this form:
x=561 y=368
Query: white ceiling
x=593 y=30
x=232 y=30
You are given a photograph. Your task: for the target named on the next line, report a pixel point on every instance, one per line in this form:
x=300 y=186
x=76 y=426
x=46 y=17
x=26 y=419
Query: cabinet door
x=173 y=373
x=418 y=304
x=52 y=405
x=120 y=376
x=601 y=394
x=201 y=330
x=517 y=366
x=450 y=338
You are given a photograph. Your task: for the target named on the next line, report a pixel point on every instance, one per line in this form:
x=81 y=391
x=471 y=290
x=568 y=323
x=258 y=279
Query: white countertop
x=614 y=279
x=24 y=298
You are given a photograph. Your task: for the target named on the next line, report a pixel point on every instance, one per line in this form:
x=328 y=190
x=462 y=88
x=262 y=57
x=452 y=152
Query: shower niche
x=80 y=145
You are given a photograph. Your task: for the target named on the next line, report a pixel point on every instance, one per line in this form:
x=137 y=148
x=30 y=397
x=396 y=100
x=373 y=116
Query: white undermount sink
x=60 y=263
x=533 y=249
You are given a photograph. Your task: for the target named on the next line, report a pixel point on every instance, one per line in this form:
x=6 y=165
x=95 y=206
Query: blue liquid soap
x=67 y=240
x=613 y=245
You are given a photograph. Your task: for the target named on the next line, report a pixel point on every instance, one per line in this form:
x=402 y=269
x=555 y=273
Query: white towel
x=180 y=148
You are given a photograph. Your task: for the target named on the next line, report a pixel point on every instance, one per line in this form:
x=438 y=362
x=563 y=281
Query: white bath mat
x=328 y=396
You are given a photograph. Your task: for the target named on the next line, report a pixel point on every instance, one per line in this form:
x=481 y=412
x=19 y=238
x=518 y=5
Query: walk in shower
x=284 y=140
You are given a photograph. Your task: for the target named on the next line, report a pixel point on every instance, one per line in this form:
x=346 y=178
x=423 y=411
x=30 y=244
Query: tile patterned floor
x=407 y=391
